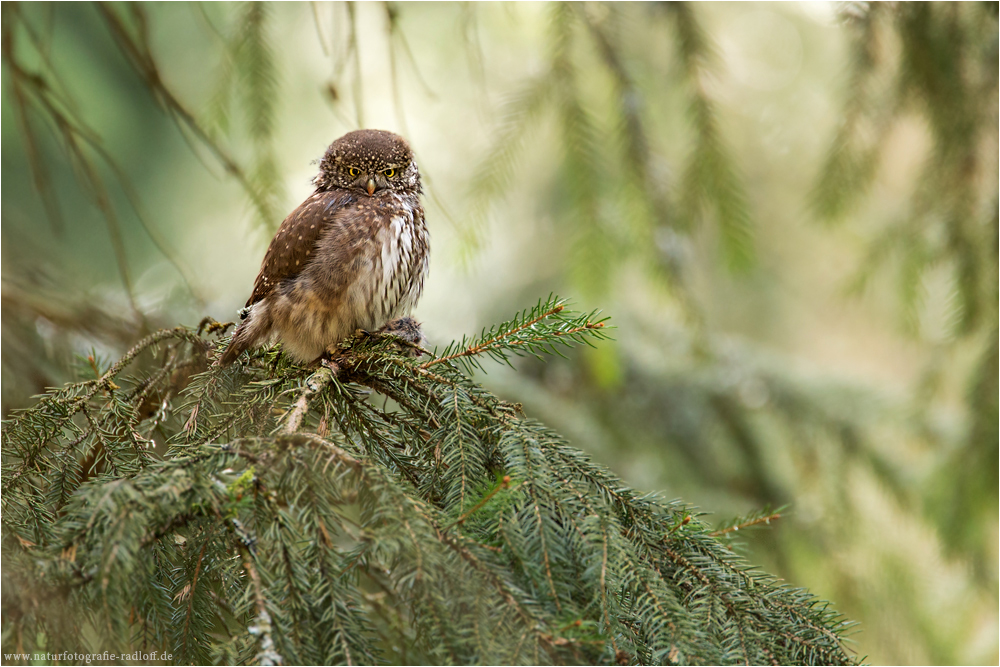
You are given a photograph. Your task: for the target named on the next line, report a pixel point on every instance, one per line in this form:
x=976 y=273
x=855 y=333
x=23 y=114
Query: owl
x=353 y=256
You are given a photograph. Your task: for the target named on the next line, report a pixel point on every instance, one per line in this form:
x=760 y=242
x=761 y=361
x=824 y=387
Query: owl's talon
x=407 y=333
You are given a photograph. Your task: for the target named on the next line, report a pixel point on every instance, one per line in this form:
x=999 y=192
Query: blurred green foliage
x=672 y=164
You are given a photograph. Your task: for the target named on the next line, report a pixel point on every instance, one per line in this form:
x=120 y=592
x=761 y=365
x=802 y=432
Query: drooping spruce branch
x=934 y=62
x=941 y=70
x=133 y=42
x=376 y=508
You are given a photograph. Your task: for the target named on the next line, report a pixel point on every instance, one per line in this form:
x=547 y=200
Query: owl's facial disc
x=368 y=161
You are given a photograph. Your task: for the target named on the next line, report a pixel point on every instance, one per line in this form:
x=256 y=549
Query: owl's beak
x=371 y=186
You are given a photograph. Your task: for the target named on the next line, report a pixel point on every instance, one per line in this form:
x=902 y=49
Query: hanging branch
x=139 y=56
x=48 y=93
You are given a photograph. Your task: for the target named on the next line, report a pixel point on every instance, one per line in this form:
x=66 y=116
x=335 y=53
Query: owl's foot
x=407 y=331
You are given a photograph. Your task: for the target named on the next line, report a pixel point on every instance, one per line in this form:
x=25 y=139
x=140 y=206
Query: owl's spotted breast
x=403 y=262
x=380 y=250
x=353 y=255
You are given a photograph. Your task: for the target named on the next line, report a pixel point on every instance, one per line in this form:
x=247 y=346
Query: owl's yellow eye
x=389 y=173
x=354 y=171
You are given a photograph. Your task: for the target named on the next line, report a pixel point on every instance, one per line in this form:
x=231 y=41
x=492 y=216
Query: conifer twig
x=504 y=484
x=267 y=654
x=314 y=384
x=683 y=522
x=485 y=345
x=141 y=60
x=336 y=452
x=746 y=524
x=191 y=590
x=503 y=338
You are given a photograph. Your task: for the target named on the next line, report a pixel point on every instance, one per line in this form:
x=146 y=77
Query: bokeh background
x=789 y=211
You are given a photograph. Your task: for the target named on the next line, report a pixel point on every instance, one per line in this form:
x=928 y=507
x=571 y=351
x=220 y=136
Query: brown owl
x=353 y=256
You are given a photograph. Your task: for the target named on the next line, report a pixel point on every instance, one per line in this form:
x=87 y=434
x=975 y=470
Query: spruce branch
x=326 y=497
x=711 y=178
x=262 y=628
x=138 y=54
x=757 y=518
x=533 y=331
x=314 y=384
x=504 y=484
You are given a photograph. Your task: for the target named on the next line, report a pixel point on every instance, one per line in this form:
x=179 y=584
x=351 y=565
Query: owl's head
x=368 y=162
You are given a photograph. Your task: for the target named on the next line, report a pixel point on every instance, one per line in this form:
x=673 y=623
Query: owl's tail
x=249 y=334
x=237 y=346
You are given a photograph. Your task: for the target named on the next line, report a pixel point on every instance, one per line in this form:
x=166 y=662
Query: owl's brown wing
x=295 y=241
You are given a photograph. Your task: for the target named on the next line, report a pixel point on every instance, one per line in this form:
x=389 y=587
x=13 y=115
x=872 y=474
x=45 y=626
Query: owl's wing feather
x=290 y=251
x=294 y=243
